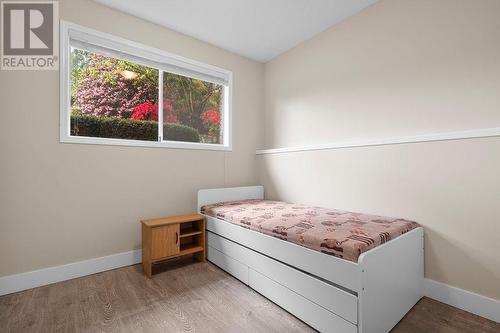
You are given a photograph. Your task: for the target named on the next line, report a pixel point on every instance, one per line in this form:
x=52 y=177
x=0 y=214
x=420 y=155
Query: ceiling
x=257 y=29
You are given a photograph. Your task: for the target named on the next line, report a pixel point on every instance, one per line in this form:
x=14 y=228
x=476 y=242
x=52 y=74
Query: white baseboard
x=18 y=282
x=462 y=299
x=480 y=305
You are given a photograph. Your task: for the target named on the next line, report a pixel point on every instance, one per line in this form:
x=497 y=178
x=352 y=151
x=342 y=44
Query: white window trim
x=163 y=61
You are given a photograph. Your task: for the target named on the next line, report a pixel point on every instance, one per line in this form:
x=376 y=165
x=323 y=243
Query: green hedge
x=116 y=128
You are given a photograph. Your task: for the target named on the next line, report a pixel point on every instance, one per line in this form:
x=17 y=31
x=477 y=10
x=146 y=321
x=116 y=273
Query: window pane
x=112 y=98
x=192 y=109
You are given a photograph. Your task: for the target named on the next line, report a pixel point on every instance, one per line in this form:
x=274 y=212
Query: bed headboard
x=213 y=195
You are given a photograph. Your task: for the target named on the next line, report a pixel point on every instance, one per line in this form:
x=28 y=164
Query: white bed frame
x=328 y=293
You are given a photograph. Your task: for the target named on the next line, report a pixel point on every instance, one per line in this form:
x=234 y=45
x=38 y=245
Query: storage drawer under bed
x=308 y=311
x=320 y=303
x=233 y=267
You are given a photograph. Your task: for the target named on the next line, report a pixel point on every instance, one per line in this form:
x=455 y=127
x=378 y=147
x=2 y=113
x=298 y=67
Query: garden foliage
x=100 y=89
x=117 y=128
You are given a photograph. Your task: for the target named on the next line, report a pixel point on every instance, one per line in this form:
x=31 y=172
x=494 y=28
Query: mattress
x=334 y=232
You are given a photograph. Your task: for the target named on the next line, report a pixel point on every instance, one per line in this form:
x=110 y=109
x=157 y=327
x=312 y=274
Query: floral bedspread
x=338 y=233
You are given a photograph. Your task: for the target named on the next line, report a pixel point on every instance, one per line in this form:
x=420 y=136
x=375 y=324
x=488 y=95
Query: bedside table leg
x=146 y=266
x=200 y=256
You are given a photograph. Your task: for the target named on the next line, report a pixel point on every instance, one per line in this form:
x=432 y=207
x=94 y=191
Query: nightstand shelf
x=190 y=232
x=170 y=237
x=190 y=249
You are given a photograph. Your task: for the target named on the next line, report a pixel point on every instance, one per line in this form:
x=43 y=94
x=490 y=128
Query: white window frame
x=163 y=61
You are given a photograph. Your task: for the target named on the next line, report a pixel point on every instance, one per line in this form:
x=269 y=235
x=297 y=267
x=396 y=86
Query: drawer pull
x=176 y=237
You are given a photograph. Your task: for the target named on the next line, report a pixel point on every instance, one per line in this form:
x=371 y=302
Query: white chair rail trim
x=444 y=136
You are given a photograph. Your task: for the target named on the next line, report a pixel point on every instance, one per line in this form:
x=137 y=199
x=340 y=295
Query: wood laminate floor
x=185 y=297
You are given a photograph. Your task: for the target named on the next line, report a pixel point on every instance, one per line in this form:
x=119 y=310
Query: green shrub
x=116 y=128
x=177 y=132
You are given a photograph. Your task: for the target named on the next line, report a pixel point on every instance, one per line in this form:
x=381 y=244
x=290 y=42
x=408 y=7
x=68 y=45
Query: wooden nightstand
x=169 y=237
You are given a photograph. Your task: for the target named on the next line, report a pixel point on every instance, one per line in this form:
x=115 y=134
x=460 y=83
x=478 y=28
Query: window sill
x=149 y=144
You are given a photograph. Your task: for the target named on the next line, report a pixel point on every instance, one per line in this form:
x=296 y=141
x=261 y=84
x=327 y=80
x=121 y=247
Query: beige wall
x=61 y=203
x=398 y=68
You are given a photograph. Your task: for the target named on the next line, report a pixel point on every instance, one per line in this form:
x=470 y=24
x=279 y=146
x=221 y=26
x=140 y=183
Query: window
x=118 y=92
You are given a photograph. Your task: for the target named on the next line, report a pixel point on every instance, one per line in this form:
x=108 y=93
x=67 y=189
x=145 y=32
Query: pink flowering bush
x=149 y=111
x=168 y=113
x=211 y=119
x=103 y=91
x=145 y=111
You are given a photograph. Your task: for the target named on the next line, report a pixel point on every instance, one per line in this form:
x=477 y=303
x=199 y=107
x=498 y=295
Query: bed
x=332 y=288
